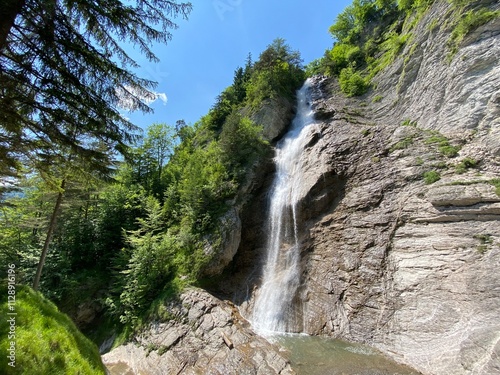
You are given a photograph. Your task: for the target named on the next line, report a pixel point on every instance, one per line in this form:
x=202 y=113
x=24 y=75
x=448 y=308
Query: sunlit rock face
x=203 y=335
x=387 y=256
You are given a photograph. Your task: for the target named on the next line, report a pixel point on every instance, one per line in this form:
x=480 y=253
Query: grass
x=431 y=176
x=47 y=341
x=404 y=143
x=496 y=183
x=443 y=144
x=485 y=240
x=409 y=122
x=465 y=164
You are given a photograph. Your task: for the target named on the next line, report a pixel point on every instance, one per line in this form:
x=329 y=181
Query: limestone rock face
x=389 y=258
x=204 y=336
x=223 y=253
x=275 y=117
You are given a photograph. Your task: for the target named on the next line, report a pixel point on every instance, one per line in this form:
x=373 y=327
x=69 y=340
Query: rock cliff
x=400 y=234
x=400 y=208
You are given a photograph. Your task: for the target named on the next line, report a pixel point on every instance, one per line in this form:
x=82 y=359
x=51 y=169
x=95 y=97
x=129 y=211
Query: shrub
x=394 y=43
x=343 y=55
x=448 y=150
x=315 y=67
x=351 y=82
x=431 y=176
x=443 y=144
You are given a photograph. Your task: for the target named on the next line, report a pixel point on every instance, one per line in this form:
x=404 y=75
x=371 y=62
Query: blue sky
x=199 y=62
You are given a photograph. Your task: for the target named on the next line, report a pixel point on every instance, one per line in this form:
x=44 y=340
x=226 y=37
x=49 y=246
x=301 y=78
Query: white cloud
x=162 y=96
x=128 y=94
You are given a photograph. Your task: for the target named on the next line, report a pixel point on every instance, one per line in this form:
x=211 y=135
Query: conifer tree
x=62 y=64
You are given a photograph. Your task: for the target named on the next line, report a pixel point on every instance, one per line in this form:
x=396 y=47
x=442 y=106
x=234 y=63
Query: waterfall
x=273 y=309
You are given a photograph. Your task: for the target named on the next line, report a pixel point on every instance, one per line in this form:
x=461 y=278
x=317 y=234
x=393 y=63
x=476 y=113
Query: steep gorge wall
x=409 y=267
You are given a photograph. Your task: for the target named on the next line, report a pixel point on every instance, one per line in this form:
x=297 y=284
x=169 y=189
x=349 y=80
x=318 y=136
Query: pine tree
x=62 y=65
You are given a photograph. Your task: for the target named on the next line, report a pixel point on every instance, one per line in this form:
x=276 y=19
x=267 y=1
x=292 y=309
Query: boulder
x=203 y=336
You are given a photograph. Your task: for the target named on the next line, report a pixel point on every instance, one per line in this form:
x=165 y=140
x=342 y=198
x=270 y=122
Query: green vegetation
x=469 y=22
x=496 y=183
x=443 y=144
x=431 y=176
x=65 y=74
x=465 y=164
x=370 y=34
x=485 y=240
x=368 y=38
x=404 y=143
x=137 y=235
x=132 y=231
x=352 y=83
x=47 y=341
x=409 y=122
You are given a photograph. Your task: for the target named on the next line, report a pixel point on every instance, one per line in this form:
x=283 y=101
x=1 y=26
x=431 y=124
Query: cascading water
x=273 y=309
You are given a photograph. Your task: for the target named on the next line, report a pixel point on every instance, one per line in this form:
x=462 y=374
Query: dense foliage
x=370 y=34
x=144 y=233
x=64 y=73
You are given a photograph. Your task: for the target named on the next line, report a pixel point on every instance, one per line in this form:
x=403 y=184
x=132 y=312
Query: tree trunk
x=48 y=238
x=9 y=10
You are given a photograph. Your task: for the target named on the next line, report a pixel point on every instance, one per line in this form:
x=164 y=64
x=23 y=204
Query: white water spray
x=273 y=310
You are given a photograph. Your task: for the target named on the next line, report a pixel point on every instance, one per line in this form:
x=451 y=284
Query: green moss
x=47 y=341
x=465 y=164
x=431 y=176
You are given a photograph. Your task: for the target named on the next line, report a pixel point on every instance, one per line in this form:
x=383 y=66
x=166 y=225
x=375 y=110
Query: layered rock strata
x=203 y=335
x=392 y=255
